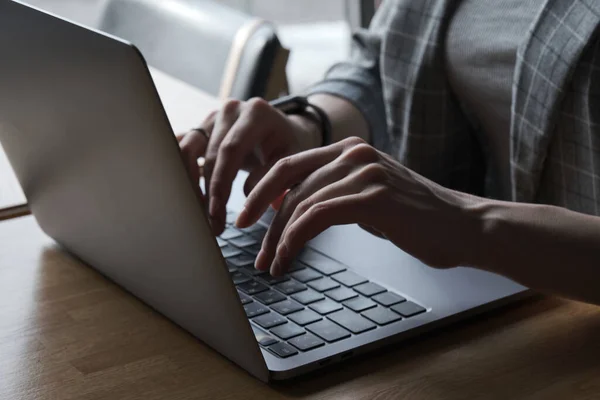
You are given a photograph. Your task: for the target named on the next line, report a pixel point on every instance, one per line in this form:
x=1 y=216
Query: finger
x=209 y=121
x=286 y=173
x=223 y=122
x=235 y=148
x=354 y=184
x=193 y=145
x=318 y=180
x=255 y=176
x=336 y=211
x=341 y=188
x=372 y=231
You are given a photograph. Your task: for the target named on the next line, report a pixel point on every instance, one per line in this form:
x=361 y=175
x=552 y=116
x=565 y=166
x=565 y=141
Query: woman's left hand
x=351 y=182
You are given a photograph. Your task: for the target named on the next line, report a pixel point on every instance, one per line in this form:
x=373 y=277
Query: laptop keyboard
x=319 y=301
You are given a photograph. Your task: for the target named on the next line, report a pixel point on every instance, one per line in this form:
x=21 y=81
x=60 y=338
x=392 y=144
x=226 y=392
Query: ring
x=202 y=131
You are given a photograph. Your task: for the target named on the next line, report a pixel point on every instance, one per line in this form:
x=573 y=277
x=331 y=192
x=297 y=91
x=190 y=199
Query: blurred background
x=316 y=32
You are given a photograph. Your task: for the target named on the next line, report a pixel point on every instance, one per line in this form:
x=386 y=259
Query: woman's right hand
x=250 y=135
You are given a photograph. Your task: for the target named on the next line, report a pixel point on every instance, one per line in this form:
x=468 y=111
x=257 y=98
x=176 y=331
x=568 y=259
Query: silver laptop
x=84 y=129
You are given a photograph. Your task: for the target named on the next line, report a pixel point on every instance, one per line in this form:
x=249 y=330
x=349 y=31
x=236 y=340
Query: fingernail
x=242 y=219
x=275 y=268
x=282 y=252
x=213 y=206
x=259 y=263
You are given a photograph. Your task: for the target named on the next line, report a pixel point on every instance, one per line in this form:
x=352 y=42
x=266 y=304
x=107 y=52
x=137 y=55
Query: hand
x=249 y=135
x=351 y=182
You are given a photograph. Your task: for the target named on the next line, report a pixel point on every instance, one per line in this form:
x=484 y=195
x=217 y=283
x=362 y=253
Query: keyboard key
x=250 y=270
x=255 y=309
x=287 y=331
x=262 y=338
x=229 y=251
x=252 y=228
x=221 y=242
x=269 y=297
x=290 y=287
x=283 y=349
x=381 y=316
x=321 y=263
x=273 y=280
x=321 y=285
x=257 y=231
x=243 y=241
x=242 y=260
x=230 y=233
x=239 y=278
x=296 y=266
x=328 y=331
x=408 y=309
x=308 y=296
x=231 y=268
x=253 y=249
x=243 y=298
x=304 y=317
x=306 y=342
x=369 y=289
x=286 y=307
x=325 y=306
x=270 y=320
x=341 y=294
x=230 y=217
x=349 y=278
x=252 y=287
x=388 y=299
x=360 y=304
x=306 y=275
x=351 y=321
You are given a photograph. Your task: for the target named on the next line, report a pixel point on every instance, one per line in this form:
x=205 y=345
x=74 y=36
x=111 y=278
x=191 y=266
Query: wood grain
x=68 y=333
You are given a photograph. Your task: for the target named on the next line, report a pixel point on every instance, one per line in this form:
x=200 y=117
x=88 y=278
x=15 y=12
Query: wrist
x=487 y=237
x=478 y=226
x=308 y=131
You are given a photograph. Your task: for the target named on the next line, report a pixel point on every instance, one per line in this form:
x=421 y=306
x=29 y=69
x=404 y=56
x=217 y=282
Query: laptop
x=87 y=136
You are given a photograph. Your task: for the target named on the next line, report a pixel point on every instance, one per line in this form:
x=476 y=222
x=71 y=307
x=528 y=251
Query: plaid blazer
x=396 y=77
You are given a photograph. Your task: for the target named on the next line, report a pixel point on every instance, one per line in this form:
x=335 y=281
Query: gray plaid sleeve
x=358 y=80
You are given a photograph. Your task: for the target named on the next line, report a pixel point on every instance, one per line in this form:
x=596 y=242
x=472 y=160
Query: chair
x=211 y=46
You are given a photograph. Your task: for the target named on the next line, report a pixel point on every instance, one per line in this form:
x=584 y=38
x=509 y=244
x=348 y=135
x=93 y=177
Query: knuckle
x=229 y=148
x=361 y=153
x=372 y=173
x=230 y=106
x=317 y=210
x=353 y=141
x=304 y=206
x=256 y=105
x=283 y=166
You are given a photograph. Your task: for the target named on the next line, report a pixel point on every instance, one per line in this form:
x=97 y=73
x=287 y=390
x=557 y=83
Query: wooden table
x=67 y=333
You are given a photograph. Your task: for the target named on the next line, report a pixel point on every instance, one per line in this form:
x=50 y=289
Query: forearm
x=346 y=120
x=546 y=248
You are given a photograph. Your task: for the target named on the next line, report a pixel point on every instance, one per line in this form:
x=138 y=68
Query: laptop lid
x=86 y=134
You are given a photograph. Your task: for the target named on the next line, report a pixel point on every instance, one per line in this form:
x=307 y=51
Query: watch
x=299 y=105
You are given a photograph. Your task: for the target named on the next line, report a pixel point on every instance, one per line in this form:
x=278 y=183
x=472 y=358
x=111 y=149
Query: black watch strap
x=299 y=105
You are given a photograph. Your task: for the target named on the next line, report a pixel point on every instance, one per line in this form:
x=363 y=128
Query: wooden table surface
x=68 y=333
